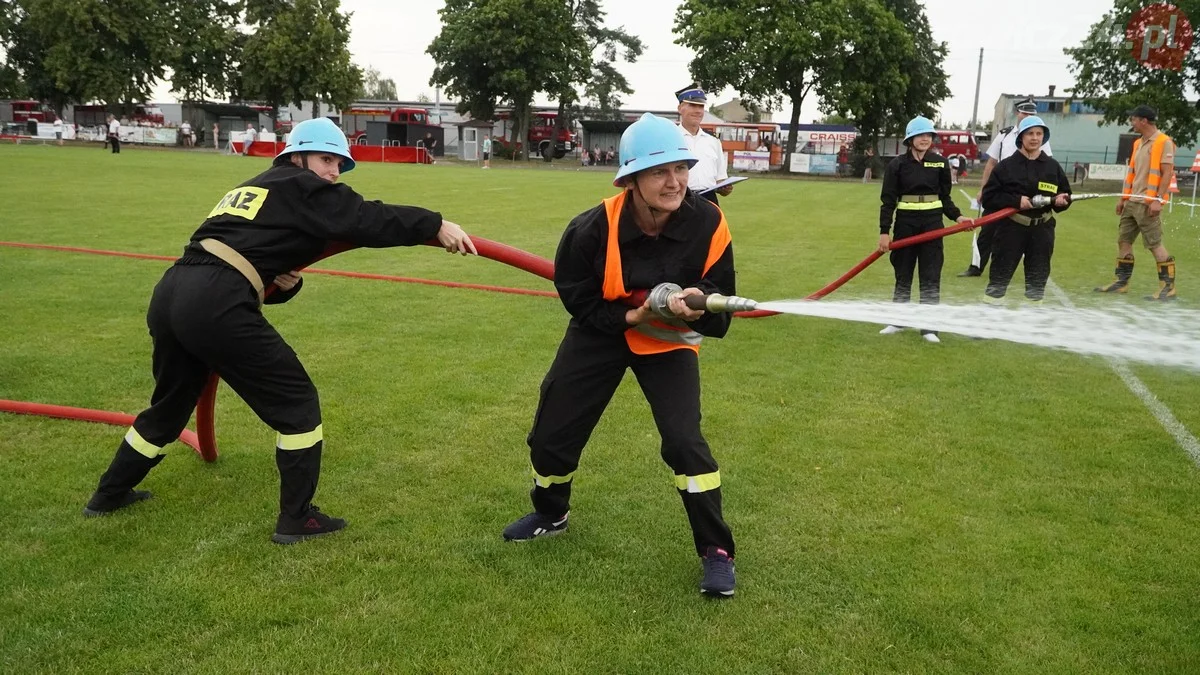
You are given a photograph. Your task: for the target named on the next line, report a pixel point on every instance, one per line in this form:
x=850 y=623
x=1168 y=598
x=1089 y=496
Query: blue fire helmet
x=319 y=135
x=917 y=126
x=1029 y=123
x=652 y=141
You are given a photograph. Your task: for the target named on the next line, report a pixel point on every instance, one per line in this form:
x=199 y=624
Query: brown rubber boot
x=1121 y=276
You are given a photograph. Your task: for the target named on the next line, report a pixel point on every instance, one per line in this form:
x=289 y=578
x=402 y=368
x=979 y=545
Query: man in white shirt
x=114 y=134
x=247 y=139
x=185 y=133
x=712 y=167
x=58 y=129
x=1002 y=147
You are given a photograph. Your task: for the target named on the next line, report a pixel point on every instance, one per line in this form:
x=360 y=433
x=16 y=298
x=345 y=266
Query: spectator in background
x=247 y=139
x=114 y=134
x=185 y=134
x=954 y=162
x=487 y=151
x=584 y=157
x=1080 y=172
x=216 y=136
x=58 y=130
x=608 y=156
x=868 y=165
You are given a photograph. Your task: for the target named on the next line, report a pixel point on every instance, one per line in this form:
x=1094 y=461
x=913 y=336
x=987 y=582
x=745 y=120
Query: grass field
x=972 y=506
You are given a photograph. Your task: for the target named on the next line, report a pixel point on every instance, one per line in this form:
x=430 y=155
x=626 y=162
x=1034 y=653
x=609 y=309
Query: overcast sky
x=1022 y=47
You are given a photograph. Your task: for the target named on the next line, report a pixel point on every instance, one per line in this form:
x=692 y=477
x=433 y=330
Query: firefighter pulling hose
x=206 y=315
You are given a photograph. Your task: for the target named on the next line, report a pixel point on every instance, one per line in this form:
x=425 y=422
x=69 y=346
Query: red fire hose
x=204 y=441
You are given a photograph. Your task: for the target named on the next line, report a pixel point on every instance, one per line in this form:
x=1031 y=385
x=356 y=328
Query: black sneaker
x=971 y=271
x=100 y=507
x=312 y=524
x=718 y=579
x=535 y=525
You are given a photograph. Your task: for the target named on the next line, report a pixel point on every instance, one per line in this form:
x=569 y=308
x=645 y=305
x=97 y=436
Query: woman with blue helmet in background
x=1028 y=234
x=653 y=232
x=916 y=194
x=206 y=315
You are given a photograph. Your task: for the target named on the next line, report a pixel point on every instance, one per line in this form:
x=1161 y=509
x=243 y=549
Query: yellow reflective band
x=547 y=481
x=702 y=483
x=145 y=447
x=300 y=441
x=243 y=202
x=914 y=206
x=1048 y=187
x=934 y=165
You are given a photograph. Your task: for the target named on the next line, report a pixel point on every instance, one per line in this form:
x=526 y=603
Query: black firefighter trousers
x=586 y=372
x=1013 y=241
x=206 y=318
x=926 y=259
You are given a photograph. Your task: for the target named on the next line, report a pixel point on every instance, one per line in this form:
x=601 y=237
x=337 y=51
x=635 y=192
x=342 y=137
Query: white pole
x=1195 y=179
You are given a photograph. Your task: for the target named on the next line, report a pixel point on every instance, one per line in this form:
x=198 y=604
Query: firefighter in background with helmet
x=206 y=315
x=916 y=194
x=1003 y=147
x=1030 y=233
x=654 y=231
x=1140 y=208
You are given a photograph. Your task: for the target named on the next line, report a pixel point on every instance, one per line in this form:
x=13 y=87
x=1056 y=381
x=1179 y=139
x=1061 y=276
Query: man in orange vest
x=1143 y=195
x=654 y=231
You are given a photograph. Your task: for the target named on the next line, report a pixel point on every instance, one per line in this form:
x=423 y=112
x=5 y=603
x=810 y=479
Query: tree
x=594 y=49
x=767 y=50
x=78 y=50
x=204 y=47
x=493 y=51
x=297 y=52
x=893 y=71
x=1111 y=79
x=377 y=87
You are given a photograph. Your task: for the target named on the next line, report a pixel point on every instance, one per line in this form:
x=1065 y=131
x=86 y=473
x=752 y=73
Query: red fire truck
x=541 y=131
x=23 y=111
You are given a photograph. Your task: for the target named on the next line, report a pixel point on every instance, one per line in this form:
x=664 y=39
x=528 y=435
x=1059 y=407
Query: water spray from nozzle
x=660 y=297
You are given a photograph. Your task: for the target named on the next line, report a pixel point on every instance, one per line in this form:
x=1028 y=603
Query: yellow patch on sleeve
x=243 y=202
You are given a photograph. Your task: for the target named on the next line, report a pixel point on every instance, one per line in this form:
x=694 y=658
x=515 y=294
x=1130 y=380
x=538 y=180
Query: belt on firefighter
x=919 y=202
x=237 y=261
x=1027 y=221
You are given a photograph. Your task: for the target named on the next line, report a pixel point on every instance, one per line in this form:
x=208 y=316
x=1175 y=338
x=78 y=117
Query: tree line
x=276 y=51
x=872 y=61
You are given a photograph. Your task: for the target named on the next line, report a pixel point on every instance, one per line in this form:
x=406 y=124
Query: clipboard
x=728 y=181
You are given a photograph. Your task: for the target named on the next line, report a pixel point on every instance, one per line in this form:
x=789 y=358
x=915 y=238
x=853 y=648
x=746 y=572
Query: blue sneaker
x=535 y=525
x=718 y=579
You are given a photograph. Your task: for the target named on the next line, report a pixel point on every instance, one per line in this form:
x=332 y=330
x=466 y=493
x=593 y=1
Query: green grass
x=902 y=507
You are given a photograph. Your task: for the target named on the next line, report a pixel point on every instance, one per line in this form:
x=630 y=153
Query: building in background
x=1078 y=132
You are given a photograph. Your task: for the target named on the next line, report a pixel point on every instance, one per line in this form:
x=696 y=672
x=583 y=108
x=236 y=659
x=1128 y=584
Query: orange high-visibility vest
x=657 y=335
x=1154 y=176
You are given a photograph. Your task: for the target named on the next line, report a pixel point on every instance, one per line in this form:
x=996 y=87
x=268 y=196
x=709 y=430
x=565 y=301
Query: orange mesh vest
x=1154 y=175
x=657 y=335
